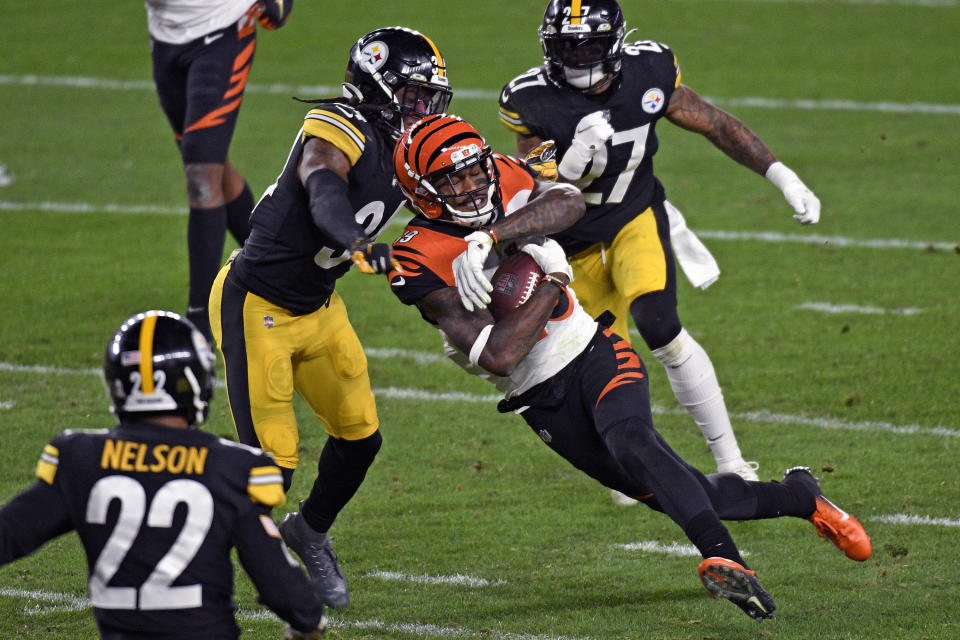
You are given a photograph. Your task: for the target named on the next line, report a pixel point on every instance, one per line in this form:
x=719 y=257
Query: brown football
x=514 y=282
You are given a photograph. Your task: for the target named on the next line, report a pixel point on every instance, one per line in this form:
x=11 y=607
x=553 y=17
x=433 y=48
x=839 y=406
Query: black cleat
x=315 y=550
x=728 y=579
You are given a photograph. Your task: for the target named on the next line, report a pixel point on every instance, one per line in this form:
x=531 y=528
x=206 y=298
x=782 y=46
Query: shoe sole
x=726 y=579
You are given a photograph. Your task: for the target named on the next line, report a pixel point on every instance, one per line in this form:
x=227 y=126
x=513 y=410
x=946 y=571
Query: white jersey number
x=638 y=137
x=155 y=592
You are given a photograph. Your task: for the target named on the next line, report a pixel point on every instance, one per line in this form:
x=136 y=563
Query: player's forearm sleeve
x=283 y=587
x=331 y=209
x=31 y=519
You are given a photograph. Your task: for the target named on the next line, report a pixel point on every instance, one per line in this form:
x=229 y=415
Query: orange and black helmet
x=446 y=170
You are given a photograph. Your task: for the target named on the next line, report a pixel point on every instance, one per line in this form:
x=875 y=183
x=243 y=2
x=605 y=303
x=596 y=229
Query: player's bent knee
x=347 y=353
x=655 y=315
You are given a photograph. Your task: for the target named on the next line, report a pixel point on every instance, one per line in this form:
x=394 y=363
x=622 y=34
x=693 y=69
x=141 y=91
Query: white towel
x=695 y=259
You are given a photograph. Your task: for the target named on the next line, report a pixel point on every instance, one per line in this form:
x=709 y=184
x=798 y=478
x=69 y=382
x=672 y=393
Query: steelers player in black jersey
x=600 y=99
x=280 y=325
x=159 y=505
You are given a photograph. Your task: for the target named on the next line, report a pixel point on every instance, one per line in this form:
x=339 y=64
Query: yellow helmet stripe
x=147 y=327
x=575 y=12
x=441 y=65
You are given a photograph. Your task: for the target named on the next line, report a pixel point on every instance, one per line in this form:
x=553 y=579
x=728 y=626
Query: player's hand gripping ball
x=514 y=282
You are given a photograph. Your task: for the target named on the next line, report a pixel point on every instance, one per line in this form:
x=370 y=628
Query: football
x=514 y=282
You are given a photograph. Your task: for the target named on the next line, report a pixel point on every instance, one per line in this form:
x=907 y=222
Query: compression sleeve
x=331 y=209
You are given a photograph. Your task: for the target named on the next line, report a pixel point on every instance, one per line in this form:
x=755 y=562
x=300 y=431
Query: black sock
x=711 y=538
x=205 y=234
x=238 y=215
x=341 y=469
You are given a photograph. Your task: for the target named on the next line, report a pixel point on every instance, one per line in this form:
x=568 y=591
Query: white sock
x=695 y=385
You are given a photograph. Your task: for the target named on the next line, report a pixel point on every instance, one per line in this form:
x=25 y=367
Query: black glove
x=274 y=13
x=373 y=257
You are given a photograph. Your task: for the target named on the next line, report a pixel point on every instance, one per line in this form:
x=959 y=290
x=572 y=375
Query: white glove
x=592 y=132
x=472 y=285
x=796 y=193
x=550 y=257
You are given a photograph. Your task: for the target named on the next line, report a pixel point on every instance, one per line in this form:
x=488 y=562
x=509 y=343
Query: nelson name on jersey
x=127 y=455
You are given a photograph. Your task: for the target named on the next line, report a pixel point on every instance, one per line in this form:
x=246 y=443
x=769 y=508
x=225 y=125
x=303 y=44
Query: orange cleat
x=728 y=579
x=833 y=523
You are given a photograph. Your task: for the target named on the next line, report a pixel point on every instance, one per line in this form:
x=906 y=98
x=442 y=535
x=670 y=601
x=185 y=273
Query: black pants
x=596 y=414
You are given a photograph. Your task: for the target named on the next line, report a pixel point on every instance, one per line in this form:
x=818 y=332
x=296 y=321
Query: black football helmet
x=393 y=58
x=582 y=43
x=159 y=363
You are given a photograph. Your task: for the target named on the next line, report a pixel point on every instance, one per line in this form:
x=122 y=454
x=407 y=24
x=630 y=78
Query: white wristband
x=479 y=344
x=780 y=175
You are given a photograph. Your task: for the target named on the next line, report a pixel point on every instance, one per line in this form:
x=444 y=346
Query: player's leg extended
x=257 y=340
x=331 y=375
x=216 y=80
x=644 y=271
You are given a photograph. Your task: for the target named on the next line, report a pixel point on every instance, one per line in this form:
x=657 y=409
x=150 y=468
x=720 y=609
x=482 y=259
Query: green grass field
x=467 y=526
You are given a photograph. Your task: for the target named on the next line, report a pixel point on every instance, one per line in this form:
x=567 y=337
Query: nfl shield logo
x=268 y=322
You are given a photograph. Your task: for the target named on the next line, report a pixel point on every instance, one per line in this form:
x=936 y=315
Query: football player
x=158 y=504
x=580 y=387
x=279 y=322
x=600 y=99
x=202 y=55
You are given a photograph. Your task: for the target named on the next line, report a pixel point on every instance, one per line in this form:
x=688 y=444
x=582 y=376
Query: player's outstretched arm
x=691 y=112
x=324 y=171
x=282 y=584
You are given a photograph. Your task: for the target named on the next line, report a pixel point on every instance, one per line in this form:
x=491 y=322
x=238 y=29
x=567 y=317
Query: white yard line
x=902 y=518
x=458 y=579
x=772 y=237
x=459 y=396
x=828 y=307
x=113 y=84
x=670 y=549
x=45 y=602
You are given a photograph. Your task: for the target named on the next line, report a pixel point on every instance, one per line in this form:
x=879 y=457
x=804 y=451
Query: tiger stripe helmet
x=436 y=159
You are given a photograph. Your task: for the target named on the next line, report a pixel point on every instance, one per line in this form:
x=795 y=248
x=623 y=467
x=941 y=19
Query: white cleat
x=621 y=499
x=743 y=468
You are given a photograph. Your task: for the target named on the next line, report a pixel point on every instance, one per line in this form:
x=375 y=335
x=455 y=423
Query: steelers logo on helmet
x=653 y=100
x=375 y=54
x=396 y=76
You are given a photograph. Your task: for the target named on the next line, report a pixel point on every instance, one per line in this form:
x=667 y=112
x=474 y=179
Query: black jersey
x=619 y=183
x=158 y=510
x=288 y=259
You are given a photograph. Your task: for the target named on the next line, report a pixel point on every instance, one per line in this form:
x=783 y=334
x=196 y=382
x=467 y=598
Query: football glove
x=591 y=134
x=472 y=285
x=543 y=159
x=274 y=13
x=373 y=257
x=550 y=257
x=795 y=192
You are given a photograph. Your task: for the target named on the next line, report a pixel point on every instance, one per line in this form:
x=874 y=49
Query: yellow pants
x=609 y=276
x=269 y=353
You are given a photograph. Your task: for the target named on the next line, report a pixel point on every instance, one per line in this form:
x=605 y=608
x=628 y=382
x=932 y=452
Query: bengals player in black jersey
x=281 y=326
x=600 y=98
x=159 y=505
x=580 y=387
